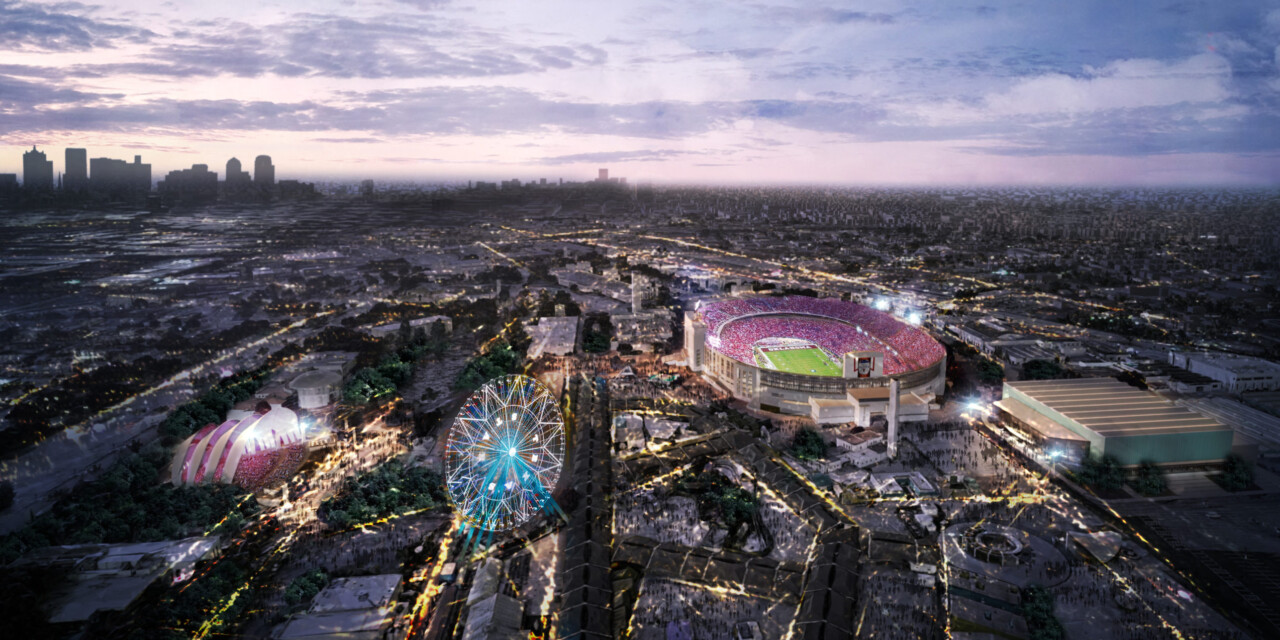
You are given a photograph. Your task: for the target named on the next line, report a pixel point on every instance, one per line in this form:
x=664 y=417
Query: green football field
x=811 y=361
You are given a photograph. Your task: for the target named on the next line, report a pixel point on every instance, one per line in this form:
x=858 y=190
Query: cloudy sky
x=940 y=92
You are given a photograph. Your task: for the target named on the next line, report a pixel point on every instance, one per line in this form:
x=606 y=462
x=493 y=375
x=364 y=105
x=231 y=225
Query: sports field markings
x=809 y=360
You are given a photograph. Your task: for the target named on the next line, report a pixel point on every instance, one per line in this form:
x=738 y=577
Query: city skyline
x=932 y=94
x=770 y=320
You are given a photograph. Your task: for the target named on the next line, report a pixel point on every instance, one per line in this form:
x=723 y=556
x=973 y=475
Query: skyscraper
x=197 y=184
x=264 y=173
x=140 y=175
x=37 y=172
x=238 y=181
x=604 y=176
x=117 y=177
x=75 y=176
x=234 y=171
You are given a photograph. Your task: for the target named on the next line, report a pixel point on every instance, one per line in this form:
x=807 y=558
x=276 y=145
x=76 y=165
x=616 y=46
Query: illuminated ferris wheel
x=504 y=453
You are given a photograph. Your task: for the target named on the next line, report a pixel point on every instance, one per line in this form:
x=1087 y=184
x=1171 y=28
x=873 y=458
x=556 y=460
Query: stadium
x=826 y=358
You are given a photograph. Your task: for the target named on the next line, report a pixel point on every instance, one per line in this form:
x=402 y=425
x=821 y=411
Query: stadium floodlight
x=505 y=453
x=914 y=318
x=882 y=304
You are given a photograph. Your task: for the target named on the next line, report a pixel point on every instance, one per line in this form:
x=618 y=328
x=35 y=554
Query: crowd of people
x=738 y=339
x=710 y=615
x=960 y=452
x=837 y=327
x=1091 y=587
x=791 y=535
x=895 y=608
x=269 y=466
x=674 y=519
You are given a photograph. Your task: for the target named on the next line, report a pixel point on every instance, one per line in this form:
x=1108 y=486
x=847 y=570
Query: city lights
x=433 y=370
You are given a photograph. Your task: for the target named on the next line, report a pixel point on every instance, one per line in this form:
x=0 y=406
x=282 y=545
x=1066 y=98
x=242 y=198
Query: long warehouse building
x=1106 y=416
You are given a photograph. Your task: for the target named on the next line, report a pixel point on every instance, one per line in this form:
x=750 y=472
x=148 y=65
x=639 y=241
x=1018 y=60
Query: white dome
x=282 y=420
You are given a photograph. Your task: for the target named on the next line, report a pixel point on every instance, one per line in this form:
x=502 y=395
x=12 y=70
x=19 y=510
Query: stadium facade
x=827 y=358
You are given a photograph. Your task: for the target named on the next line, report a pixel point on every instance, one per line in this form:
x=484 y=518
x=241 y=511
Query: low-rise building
x=553 y=336
x=357 y=608
x=109 y=577
x=1237 y=374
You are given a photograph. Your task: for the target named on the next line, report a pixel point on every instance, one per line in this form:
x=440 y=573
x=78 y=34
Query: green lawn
x=811 y=361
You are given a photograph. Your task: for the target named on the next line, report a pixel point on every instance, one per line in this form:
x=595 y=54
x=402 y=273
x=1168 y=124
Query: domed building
x=250 y=452
x=316 y=389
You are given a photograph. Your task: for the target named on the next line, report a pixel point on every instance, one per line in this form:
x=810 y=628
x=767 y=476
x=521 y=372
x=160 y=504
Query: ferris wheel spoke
x=505 y=450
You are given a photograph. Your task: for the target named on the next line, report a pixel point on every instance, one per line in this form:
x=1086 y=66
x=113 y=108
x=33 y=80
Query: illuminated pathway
x=1073 y=511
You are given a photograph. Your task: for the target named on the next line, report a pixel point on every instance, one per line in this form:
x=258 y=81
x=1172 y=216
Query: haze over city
x=434 y=320
x=1151 y=93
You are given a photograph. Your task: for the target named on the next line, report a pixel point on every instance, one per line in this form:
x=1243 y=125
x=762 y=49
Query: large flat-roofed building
x=1236 y=373
x=1114 y=418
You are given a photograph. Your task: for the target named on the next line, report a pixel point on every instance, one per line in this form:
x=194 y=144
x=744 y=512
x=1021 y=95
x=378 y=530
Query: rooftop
x=315 y=379
x=110 y=577
x=363 y=592
x=1112 y=408
x=1028 y=416
x=1239 y=365
x=365 y=624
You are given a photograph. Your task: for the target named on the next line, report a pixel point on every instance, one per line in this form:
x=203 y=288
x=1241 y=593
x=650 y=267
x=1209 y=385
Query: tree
x=1101 y=473
x=1133 y=379
x=1237 y=474
x=405 y=334
x=6 y=494
x=1042 y=370
x=990 y=372
x=1037 y=609
x=518 y=338
x=1150 y=479
x=719 y=499
x=391 y=489
x=809 y=445
x=306 y=586
x=597 y=333
x=366 y=385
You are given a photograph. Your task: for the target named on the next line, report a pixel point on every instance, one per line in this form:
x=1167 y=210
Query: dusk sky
x=1095 y=92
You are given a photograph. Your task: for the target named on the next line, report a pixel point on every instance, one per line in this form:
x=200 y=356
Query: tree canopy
x=719 y=500
x=1101 y=473
x=1042 y=370
x=809 y=445
x=1150 y=480
x=391 y=489
x=1237 y=474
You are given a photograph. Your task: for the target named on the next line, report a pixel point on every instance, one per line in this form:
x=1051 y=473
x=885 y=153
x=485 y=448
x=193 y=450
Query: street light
x=1053 y=460
x=979 y=408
